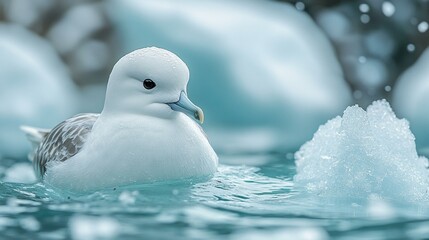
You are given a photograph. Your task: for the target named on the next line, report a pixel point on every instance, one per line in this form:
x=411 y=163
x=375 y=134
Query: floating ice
x=35 y=88
x=410 y=98
x=262 y=68
x=361 y=155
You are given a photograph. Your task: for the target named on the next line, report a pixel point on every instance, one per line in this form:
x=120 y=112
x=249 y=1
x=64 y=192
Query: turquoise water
x=239 y=202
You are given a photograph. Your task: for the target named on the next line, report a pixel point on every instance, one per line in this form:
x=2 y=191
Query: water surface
x=239 y=202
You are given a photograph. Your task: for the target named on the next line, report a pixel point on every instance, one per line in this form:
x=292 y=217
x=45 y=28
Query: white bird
x=140 y=136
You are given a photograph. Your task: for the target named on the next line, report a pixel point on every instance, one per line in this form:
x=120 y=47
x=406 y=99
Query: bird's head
x=150 y=81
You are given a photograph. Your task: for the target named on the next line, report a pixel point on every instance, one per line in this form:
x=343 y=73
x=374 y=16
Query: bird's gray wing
x=64 y=141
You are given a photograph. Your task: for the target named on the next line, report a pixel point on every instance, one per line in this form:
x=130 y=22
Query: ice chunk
x=410 y=98
x=35 y=88
x=257 y=66
x=362 y=154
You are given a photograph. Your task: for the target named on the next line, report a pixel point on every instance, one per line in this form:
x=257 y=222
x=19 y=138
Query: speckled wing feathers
x=64 y=141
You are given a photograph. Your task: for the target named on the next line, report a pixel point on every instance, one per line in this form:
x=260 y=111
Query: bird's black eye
x=149 y=84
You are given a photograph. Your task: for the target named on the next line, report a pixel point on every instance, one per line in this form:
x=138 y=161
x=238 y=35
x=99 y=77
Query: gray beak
x=185 y=105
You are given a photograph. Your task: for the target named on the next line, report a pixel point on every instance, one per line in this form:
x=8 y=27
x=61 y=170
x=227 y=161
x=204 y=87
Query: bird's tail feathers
x=35 y=136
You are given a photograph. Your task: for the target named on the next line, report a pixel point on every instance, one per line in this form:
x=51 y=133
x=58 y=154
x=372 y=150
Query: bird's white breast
x=136 y=149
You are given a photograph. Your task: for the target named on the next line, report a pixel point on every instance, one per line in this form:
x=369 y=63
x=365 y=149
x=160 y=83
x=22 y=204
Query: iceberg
x=362 y=155
x=410 y=98
x=259 y=69
x=35 y=88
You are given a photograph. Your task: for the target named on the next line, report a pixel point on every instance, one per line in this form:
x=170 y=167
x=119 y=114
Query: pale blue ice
x=411 y=98
x=364 y=155
x=35 y=88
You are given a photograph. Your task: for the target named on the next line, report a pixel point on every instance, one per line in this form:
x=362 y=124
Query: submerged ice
x=361 y=155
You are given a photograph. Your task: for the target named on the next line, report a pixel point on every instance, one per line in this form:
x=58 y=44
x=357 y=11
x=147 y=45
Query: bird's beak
x=186 y=106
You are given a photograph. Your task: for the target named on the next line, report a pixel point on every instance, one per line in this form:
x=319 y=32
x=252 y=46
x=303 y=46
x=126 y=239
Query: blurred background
x=302 y=62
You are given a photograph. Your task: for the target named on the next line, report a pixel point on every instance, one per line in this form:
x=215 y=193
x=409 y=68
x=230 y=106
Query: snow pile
x=361 y=155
